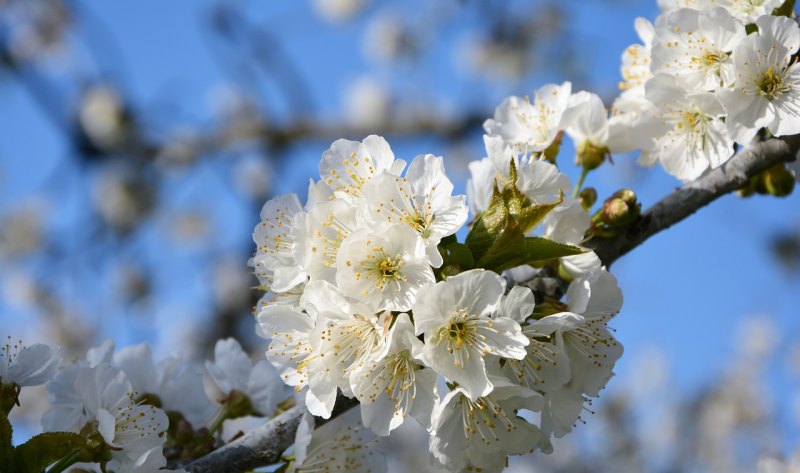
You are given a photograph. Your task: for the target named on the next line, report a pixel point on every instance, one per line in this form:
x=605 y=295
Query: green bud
x=588 y=198
x=591 y=156
x=627 y=195
x=779 y=181
x=617 y=212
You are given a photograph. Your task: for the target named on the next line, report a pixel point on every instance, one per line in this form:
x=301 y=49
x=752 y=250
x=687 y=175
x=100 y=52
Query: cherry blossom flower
x=455 y=316
x=767 y=88
x=28 y=366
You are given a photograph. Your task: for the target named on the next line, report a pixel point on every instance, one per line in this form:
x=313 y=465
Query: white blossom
x=482 y=432
x=685 y=132
x=384 y=269
x=290 y=348
x=531 y=126
x=339 y=445
x=178 y=387
x=82 y=394
x=395 y=383
x=696 y=47
x=347 y=165
x=232 y=371
x=274 y=244
x=767 y=88
x=422 y=200
x=28 y=366
x=347 y=335
x=319 y=233
x=455 y=316
x=635 y=68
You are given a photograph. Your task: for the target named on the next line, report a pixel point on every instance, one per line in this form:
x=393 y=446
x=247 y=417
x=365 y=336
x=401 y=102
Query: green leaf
x=6 y=449
x=458 y=254
x=45 y=449
x=488 y=226
x=497 y=239
x=520 y=206
x=513 y=249
x=530 y=216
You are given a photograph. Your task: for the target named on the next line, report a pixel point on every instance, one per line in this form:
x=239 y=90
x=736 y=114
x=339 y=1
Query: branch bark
x=265 y=444
x=695 y=195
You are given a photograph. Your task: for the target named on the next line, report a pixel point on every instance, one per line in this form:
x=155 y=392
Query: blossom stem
x=579 y=185
x=66 y=462
x=222 y=414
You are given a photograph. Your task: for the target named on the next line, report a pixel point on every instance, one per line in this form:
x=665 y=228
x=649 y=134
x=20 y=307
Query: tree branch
x=264 y=445
x=259 y=447
x=695 y=195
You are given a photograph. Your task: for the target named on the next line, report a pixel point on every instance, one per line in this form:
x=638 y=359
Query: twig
x=695 y=195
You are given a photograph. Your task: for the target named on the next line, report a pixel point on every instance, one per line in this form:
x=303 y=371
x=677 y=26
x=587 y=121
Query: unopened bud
x=588 y=198
x=591 y=156
x=617 y=212
x=627 y=195
x=779 y=181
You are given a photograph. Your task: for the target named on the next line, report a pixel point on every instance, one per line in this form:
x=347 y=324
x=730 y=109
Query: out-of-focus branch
x=262 y=446
x=695 y=195
x=265 y=444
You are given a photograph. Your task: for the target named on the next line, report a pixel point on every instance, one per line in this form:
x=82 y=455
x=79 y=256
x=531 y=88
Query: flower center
x=353 y=340
x=484 y=417
x=710 y=59
x=771 y=84
x=383 y=268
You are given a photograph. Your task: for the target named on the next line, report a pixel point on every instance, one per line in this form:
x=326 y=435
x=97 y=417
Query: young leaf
x=512 y=248
x=488 y=226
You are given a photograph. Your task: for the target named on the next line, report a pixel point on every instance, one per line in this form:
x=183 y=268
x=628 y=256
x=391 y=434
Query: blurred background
x=139 y=140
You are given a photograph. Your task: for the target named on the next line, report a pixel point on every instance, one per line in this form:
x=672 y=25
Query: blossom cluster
x=709 y=75
x=698 y=85
x=128 y=414
x=366 y=299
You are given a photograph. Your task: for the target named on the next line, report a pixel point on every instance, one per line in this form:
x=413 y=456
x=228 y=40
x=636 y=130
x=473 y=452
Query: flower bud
x=591 y=156
x=617 y=212
x=627 y=195
x=588 y=198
